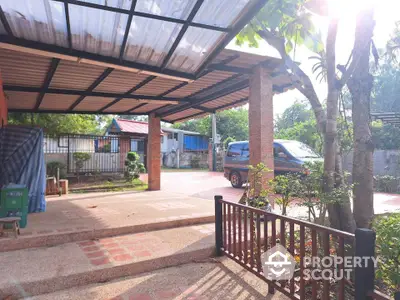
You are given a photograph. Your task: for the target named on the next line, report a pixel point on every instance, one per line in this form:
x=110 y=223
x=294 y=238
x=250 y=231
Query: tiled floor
x=121 y=249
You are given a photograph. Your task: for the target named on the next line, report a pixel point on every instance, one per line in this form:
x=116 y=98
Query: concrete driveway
x=200 y=184
x=205 y=185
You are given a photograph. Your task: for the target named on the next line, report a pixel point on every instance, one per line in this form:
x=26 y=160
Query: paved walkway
x=76 y=212
x=214 y=279
x=42 y=270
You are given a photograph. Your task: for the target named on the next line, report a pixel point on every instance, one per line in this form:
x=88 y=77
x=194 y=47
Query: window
x=162 y=139
x=299 y=150
x=235 y=150
x=277 y=149
x=170 y=136
x=245 y=150
x=140 y=146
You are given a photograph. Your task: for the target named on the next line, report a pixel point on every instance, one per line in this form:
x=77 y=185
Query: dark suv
x=289 y=156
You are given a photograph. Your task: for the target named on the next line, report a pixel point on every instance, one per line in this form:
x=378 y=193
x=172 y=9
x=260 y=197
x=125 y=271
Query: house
x=178 y=147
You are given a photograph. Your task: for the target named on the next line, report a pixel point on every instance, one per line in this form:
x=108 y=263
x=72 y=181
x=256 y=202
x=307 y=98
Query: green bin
x=14 y=203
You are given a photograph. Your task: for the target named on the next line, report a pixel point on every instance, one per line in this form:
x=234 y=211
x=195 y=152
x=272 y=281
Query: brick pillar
x=3 y=105
x=261 y=127
x=154 y=153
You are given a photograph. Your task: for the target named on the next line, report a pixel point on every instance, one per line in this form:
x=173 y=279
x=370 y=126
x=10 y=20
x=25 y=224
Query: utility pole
x=214 y=141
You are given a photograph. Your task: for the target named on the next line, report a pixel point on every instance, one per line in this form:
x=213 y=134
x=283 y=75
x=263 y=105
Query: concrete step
x=48 y=238
x=212 y=279
x=37 y=271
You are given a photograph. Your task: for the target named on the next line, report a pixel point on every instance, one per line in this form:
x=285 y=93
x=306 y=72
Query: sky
x=386 y=14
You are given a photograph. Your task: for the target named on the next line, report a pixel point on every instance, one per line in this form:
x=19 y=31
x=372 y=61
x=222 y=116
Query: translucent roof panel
x=40 y=20
x=220 y=13
x=125 y=4
x=149 y=40
x=194 y=48
x=96 y=30
x=176 y=38
x=166 y=8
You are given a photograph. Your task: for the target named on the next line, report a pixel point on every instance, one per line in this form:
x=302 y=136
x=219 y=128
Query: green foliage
x=284 y=18
x=52 y=169
x=386 y=184
x=80 y=158
x=298 y=123
x=287 y=186
x=256 y=195
x=311 y=192
x=230 y=123
x=385 y=136
x=56 y=124
x=227 y=141
x=388 y=249
x=133 y=166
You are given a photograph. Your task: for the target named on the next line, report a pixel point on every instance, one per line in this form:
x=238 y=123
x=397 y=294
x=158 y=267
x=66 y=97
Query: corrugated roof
x=158 y=35
x=131 y=126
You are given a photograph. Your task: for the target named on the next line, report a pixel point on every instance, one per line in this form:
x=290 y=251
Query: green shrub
x=387 y=184
x=133 y=166
x=227 y=141
x=388 y=249
x=52 y=169
x=195 y=162
x=287 y=186
x=80 y=158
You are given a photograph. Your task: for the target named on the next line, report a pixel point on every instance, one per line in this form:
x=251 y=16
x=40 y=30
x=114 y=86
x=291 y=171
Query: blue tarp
x=195 y=143
x=22 y=162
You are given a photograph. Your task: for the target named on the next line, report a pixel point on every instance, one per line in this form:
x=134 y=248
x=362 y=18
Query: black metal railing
x=244 y=233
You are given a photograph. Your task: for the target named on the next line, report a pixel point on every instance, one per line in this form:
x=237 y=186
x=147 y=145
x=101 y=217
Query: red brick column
x=3 y=105
x=261 y=127
x=154 y=153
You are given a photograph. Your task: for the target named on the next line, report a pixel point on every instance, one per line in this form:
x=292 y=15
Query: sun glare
x=347 y=8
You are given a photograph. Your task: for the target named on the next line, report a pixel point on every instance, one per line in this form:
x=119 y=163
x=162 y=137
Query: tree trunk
x=340 y=215
x=360 y=86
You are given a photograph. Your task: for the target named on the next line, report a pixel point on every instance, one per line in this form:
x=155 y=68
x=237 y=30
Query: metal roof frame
x=230 y=31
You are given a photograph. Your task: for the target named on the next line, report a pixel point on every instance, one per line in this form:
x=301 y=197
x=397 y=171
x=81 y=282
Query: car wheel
x=236 y=180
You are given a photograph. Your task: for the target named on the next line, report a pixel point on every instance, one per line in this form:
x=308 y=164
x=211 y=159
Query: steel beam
x=68 y=22
x=221 y=93
x=91 y=87
x=135 y=88
x=93 y=94
x=142 y=14
x=135 y=107
x=95 y=57
x=183 y=30
x=248 y=16
x=5 y=22
x=127 y=29
x=50 y=73
x=47 y=111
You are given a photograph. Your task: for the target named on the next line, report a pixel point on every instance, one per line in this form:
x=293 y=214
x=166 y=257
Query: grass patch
x=109 y=186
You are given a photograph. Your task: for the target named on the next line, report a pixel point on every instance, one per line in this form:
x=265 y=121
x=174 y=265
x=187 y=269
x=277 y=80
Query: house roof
x=170 y=129
x=131 y=126
x=142 y=128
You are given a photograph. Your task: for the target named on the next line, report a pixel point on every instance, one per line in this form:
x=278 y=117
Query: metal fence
x=244 y=233
x=91 y=154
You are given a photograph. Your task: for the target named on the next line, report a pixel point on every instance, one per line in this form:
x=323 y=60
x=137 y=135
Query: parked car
x=289 y=156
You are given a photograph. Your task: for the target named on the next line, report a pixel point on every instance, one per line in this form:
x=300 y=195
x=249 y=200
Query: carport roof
x=101 y=77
